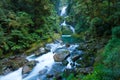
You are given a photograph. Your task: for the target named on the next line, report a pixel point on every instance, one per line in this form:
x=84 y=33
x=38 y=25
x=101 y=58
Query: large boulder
x=27 y=68
x=61 y=54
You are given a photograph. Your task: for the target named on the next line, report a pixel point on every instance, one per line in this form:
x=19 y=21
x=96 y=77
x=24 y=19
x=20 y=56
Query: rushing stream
x=46 y=61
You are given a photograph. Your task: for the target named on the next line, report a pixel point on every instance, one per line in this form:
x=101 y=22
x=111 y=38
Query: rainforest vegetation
x=25 y=25
x=98 y=20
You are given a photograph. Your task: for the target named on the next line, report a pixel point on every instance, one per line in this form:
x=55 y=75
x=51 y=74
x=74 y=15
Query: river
x=46 y=61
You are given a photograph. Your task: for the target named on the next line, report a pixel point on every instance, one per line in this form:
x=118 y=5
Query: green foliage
x=100 y=18
x=109 y=67
x=116 y=32
x=69 y=77
x=24 y=22
x=96 y=21
x=81 y=25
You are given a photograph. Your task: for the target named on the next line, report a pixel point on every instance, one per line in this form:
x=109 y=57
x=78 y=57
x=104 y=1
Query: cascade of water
x=45 y=61
x=72 y=28
x=63 y=11
x=64 y=23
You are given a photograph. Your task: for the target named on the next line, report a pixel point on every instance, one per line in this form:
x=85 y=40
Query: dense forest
x=98 y=21
x=26 y=22
x=26 y=25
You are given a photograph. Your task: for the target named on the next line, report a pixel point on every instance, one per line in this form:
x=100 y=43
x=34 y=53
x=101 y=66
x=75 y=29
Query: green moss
x=34 y=47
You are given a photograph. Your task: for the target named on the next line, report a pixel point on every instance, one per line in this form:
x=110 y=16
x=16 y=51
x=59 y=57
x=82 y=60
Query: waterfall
x=63 y=12
x=45 y=61
x=72 y=28
x=64 y=23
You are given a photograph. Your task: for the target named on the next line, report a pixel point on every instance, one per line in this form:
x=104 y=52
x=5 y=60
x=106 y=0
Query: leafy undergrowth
x=109 y=66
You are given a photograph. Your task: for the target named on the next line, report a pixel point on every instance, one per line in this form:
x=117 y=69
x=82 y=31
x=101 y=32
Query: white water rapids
x=45 y=61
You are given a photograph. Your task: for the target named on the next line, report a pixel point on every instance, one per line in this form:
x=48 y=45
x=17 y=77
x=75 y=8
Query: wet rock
x=84 y=70
x=8 y=65
x=24 y=75
x=65 y=62
x=42 y=72
x=32 y=63
x=48 y=47
x=26 y=69
x=7 y=70
x=67 y=45
x=58 y=41
x=40 y=51
x=76 y=55
x=61 y=54
x=56 y=70
x=49 y=75
x=58 y=76
x=67 y=71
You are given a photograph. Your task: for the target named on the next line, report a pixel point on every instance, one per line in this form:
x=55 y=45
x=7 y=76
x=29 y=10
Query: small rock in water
x=32 y=63
x=75 y=57
x=48 y=47
x=65 y=62
x=26 y=69
x=42 y=72
x=49 y=75
x=67 y=45
x=7 y=70
x=40 y=51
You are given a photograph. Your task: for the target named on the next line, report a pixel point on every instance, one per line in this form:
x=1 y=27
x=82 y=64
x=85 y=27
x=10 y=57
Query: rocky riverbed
x=67 y=58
